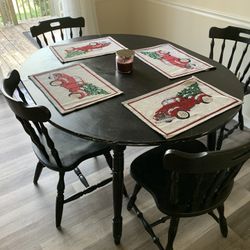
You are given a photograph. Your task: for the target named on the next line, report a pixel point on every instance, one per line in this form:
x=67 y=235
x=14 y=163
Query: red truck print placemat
x=74 y=87
x=176 y=108
x=171 y=61
x=86 y=49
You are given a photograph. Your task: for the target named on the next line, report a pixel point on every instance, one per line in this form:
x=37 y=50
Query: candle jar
x=124 y=60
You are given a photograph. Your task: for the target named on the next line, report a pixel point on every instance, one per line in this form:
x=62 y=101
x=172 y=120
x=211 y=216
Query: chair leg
x=241 y=120
x=125 y=193
x=222 y=221
x=132 y=199
x=172 y=232
x=60 y=199
x=109 y=160
x=220 y=138
x=38 y=171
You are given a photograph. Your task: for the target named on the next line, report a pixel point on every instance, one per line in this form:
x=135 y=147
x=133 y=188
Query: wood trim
x=240 y=21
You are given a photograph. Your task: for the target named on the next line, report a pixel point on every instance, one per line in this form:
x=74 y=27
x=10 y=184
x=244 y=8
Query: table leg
x=118 y=167
x=211 y=141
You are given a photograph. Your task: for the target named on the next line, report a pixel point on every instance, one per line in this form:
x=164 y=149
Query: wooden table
x=109 y=121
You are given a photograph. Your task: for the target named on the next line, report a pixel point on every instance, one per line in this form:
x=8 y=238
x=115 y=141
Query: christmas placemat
x=74 y=87
x=86 y=49
x=173 y=109
x=171 y=61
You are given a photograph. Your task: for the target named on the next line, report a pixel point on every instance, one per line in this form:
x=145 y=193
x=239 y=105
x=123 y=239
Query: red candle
x=124 y=60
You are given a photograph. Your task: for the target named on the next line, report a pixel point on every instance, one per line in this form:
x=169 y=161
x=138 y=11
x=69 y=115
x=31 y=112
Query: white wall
x=114 y=16
x=185 y=22
x=230 y=8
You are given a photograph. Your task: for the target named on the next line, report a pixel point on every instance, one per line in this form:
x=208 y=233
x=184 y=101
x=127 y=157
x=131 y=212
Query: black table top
x=110 y=121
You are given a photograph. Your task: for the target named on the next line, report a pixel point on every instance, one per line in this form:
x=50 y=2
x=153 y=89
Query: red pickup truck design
x=86 y=48
x=70 y=83
x=76 y=85
x=180 y=62
x=166 y=57
x=179 y=107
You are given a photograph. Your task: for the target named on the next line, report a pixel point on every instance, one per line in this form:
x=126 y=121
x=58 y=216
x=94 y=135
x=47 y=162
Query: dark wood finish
x=211 y=140
x=118 y=167
x=26 y=218
x=45 y=140
x=174 y=222
x=47 y=29
x=185 y=181
x=115 y=124
x=38 y=171
x=236 y=57
x=222 y=221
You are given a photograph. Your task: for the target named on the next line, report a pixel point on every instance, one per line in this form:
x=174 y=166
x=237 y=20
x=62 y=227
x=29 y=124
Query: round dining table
x=110 y=122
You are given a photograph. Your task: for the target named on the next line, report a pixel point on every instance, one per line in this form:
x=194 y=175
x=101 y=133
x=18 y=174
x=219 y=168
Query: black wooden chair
x=231 y=45
x=45 y=31
x=55 y=149
x=186 y=181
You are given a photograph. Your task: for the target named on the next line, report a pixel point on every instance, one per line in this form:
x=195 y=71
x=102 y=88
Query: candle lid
x=125 y=53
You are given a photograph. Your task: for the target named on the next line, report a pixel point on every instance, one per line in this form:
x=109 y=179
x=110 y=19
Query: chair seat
x=80 y=149
x=149 y=172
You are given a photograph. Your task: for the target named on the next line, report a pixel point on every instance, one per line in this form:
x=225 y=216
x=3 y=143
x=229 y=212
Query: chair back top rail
x=210 y=175
x=237 y=53
x=56 y=24
x=206 y=162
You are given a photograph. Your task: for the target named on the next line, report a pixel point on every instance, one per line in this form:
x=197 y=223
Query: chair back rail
x=31 y=117
x=46 y=29
x=211 y=175
x=239 y=53
x=231 y=45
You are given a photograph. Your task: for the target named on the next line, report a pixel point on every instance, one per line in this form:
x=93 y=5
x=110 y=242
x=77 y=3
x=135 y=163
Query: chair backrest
x=46 y=29
x=32 y=117
x=209 y=176
x=233 y=51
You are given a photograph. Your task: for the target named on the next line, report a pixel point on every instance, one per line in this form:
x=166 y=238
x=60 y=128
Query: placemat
x=176 y=108
x=74 y=87
x=171 y=61
x=86 y=49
